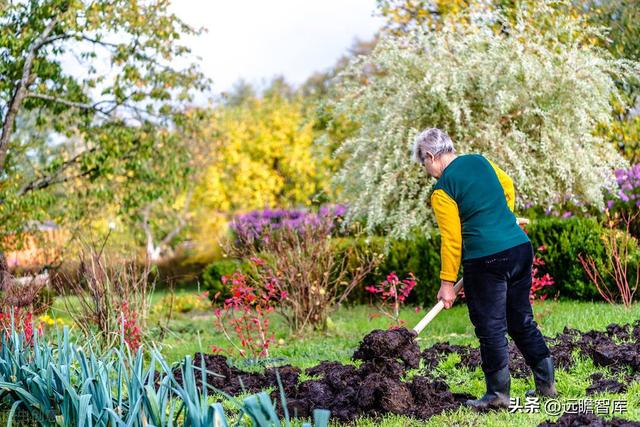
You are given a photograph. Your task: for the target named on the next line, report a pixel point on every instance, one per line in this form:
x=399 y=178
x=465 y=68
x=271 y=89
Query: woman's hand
x=446 y=294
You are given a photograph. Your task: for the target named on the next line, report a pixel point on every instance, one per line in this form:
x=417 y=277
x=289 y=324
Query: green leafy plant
x=213 y=273
x=564 y=240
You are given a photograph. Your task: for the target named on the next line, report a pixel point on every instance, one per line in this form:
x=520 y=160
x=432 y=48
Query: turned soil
x=588 y=420
x=378 y=382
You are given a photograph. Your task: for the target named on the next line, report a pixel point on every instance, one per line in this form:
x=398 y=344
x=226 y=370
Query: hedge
x=563 y=240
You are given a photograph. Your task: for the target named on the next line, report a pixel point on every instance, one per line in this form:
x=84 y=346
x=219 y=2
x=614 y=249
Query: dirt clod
x=588 y=420
x=600 y=384
x=390 y=344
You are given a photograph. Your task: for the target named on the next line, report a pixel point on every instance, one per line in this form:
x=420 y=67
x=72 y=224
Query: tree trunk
x=5 y=275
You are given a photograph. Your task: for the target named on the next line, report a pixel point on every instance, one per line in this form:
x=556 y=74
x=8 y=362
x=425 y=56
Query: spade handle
x=435 y=310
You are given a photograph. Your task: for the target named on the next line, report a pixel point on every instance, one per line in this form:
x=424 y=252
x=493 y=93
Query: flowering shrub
x=253 y=228
x=628 y=196
x=244 y=314
x=530 y=97
x=539 y=282
x=306 y=266
x=392 y=293
x=629 y=182
x=130 y=327
x=566 y=206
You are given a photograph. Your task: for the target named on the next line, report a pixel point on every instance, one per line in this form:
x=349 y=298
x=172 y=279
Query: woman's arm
x=448 y=219
x=507 y=186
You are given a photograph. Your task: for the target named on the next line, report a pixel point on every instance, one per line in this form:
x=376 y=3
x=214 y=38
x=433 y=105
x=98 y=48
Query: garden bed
x=378 y=384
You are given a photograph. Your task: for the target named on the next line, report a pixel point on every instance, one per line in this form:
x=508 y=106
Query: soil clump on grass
x=376 y=387
x=588 y=420
x=617 y=348
x=600 y=384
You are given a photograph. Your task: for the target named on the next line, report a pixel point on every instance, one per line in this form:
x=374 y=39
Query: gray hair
x=434 y=141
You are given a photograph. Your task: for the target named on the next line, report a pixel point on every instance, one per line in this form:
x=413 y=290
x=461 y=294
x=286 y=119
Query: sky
x=257 y=40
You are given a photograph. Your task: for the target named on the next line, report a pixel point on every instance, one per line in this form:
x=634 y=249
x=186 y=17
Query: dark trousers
x=497 y=289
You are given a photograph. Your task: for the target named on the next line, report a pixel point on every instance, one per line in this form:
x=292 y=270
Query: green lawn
x=195 y=331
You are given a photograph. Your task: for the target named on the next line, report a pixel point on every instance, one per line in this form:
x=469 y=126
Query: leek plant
x=70 y=385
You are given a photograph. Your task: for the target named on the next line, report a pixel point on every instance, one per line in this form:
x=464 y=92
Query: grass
x=194 y=331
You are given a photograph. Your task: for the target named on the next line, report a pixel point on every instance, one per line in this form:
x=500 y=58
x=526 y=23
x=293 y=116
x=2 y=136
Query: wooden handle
x=435 y=310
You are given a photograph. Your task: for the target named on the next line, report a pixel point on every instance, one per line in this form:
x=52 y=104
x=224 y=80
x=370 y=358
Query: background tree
x=619 y=18
x=622 y=17
x=262 y=154
x=529 y=98
x=87 y=93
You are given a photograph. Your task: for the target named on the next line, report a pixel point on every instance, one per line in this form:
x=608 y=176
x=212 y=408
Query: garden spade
x=456 y=289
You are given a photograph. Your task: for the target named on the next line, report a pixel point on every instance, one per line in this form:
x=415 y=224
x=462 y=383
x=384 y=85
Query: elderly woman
x=473 y=202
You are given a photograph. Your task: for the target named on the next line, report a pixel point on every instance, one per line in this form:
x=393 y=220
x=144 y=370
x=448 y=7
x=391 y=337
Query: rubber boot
x=544 y=379
x=497 y=395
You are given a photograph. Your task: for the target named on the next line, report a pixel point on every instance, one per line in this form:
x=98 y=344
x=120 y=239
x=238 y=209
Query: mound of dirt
x=392 y=344
x=376 y=387
x=617 y=348
x=229 y=379
x=600 y=384
x=588 y=420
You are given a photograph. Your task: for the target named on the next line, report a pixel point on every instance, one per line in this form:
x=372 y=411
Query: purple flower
x=255 y=226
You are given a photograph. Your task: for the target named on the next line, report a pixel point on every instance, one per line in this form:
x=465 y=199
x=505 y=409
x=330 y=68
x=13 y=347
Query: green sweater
x=473 y=201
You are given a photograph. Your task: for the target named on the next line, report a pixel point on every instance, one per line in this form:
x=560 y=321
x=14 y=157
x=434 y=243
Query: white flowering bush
x=528 y=97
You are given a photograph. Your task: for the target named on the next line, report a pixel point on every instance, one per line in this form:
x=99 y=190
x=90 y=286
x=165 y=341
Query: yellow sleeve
x=507 y=186
x=448 y=218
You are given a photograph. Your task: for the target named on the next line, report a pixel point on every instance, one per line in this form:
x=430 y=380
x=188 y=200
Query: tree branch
x=73 y=104
x=78 y=37
x=18 y=94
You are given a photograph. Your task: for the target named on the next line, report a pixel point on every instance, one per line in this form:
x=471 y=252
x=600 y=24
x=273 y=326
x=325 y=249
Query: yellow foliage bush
x=182 y=303
x=262 y=155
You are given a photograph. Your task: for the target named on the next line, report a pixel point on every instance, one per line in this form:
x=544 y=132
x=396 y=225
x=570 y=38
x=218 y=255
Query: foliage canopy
x=529 y=100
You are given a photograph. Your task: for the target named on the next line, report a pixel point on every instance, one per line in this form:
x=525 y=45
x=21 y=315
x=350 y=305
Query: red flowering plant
x=539 y=281
x=20 y=320
x=392 y=293
x=132 y=332
x=243 y=317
